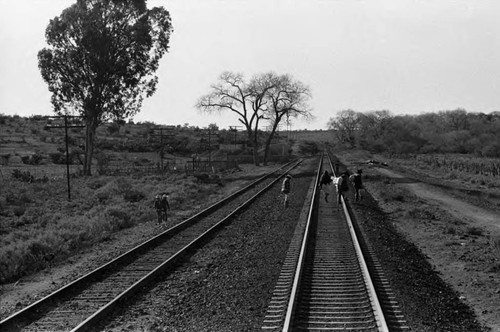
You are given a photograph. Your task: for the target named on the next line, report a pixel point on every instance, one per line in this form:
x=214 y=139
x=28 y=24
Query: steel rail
x=301 y=260
x=376 y=307
x=28 y=314
x=96 y=317
x=288 y=323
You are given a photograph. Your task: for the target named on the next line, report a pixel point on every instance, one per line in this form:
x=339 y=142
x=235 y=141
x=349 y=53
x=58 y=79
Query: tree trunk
x=270 y=138
x=255 y=147
x=267 y=147
x=89 y=146
x=256 y=156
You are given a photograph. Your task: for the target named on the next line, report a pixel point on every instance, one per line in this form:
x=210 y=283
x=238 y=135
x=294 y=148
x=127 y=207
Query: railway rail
x=325 y=283
x=83 y=303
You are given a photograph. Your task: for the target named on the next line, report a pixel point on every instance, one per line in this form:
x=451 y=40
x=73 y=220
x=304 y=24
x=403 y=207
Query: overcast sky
x=407 y=57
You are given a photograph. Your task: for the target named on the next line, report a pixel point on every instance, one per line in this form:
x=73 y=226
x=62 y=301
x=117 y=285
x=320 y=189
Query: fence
x=460 y=163
x=483 y=166
x=51 y=172
x=205 y=166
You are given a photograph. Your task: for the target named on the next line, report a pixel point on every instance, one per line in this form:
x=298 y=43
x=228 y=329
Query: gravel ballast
x=226 y=285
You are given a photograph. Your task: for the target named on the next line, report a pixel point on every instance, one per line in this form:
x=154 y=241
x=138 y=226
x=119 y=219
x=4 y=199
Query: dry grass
x=39 y=227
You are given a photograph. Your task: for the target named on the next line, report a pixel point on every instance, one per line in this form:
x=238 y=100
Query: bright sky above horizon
x=405 y=56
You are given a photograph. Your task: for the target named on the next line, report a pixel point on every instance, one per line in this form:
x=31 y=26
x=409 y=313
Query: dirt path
x=456 y=207
x=458 y=237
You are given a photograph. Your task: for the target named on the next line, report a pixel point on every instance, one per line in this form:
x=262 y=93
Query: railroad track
x=80 y=305
x=325 y=283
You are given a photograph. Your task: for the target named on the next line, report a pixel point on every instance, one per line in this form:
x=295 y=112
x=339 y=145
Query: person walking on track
x=342 y=185
x=325 y=184
x=285 y=189
x=357 y=182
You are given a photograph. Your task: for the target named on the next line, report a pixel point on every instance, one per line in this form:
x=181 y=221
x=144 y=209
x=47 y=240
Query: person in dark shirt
x=357 y=182
x=324 y=184
x=162 y=206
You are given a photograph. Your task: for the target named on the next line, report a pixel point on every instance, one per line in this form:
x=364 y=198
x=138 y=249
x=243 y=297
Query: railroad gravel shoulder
x=443 y=264
x=227 y=284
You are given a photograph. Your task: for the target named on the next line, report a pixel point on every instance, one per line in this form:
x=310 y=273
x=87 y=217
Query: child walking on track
x=285 y=189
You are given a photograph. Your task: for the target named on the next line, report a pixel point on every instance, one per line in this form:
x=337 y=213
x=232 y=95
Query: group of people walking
x=328 y=182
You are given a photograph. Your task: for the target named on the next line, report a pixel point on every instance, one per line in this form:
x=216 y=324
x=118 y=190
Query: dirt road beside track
x=458 y=237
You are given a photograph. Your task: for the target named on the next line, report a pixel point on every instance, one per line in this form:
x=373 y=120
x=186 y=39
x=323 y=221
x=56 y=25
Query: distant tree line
x=455 y=131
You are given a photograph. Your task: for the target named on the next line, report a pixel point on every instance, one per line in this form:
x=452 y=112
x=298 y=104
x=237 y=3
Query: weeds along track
x=325 y=283
x=83 y=303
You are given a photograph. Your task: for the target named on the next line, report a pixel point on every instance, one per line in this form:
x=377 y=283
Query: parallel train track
x=325 y=283
x=81 y=304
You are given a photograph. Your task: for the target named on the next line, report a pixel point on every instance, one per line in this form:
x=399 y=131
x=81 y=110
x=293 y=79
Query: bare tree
x=232 y=93
x=284 y=97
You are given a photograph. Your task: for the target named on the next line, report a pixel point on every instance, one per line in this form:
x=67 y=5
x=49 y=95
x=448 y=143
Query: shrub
x=118 y=218
x=420 y=213
x=474 y=231
x=451 y=230
x=114 y=128
x=122 y=185
x=102 y=196
x=133 y=196
x=495 y=243
x=452 y=243
x=34 y=159
x=309 y=147
x=34 y=216
x=58 y=158
x=19 y=210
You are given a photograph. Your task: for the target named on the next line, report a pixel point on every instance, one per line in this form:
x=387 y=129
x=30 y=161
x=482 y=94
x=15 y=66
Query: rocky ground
x=457 y=232
x=227 y=285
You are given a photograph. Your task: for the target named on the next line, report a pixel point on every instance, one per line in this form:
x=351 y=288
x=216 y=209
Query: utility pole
x=66 y=126
x=235 y=129
x=167 y=132
x=288 y=126
x=209 y=134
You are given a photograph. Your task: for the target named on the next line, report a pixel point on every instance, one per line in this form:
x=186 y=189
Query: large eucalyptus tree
x=101 y=60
